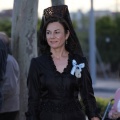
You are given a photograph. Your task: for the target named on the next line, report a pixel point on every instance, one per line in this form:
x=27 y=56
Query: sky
x=73 y=5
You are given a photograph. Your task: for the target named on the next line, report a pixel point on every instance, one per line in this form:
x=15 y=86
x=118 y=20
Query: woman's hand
x=115 y=115
x=95 y=118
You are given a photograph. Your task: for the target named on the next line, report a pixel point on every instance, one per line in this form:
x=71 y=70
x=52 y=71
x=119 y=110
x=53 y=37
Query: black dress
x=54 y=96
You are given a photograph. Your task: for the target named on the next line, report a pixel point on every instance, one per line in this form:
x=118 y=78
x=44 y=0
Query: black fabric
x=3 y=62
x=3 y=59
x=8 y=115
x=54 y=96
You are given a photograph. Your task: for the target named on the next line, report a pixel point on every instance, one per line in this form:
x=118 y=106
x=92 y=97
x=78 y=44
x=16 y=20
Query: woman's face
x=55 y=35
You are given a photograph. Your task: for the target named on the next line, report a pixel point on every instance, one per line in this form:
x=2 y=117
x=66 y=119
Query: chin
x=54 y=46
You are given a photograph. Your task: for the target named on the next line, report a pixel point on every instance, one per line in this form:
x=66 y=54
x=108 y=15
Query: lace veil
x=60 y=11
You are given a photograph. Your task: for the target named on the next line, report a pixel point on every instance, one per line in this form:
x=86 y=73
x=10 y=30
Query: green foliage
x=102 y=104
x=83 y=38
x=38 y=24
x=5 y=26
x=108 y=40
x=82 y=35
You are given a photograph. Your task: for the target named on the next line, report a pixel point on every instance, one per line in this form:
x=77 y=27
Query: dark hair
x=6 y=40
x=44 y=47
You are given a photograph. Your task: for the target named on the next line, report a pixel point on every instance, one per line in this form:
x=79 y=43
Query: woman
x=57 y=76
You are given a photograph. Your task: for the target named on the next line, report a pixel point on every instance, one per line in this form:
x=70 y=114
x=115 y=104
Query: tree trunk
x=24 y=43
x=57 y=2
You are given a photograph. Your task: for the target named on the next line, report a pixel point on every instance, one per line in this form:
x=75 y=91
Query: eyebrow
x=55 y=30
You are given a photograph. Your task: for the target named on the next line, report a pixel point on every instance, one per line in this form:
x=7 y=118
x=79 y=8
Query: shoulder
x=10 y=58
x=12 y=61
x=42 y=58
x=80 y=58
x=39 y=61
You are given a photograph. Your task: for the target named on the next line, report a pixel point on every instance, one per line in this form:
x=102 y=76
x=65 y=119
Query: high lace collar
x=66 y=69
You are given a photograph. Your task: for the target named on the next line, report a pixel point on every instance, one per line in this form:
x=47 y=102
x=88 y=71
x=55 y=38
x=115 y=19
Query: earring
x=66 y=42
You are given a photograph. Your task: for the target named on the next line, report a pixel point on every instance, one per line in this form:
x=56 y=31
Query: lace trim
x=67 y=68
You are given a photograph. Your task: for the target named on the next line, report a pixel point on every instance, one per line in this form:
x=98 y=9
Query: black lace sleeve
x=33 y=91
x=87 y=93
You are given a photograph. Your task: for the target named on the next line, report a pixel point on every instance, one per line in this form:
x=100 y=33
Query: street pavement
x=106 y=88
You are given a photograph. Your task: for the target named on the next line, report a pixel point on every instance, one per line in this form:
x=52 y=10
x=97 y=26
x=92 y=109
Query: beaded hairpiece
x=58 y=11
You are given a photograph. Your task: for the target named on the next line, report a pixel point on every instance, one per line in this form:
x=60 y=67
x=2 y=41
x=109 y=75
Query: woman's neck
x=59 y=53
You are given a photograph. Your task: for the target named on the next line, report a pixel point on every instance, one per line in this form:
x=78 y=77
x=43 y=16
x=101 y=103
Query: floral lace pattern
x=61 y=106
x=68 y=67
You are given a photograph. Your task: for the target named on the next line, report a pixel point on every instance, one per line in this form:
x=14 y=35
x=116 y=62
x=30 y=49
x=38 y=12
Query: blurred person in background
x=114 y=113
x=3 y=61
x=10 y=89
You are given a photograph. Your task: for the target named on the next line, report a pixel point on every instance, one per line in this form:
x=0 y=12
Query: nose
x=52 y=35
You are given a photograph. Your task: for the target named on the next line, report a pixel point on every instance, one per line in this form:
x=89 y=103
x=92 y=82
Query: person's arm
x=87 y=94
x=33 y=91
x=111 y=112
x=11 y=83
x=95 y=118
x=115 y=115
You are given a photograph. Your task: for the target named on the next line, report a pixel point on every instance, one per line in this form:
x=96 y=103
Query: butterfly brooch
x=77 y=68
